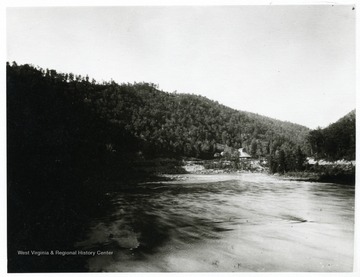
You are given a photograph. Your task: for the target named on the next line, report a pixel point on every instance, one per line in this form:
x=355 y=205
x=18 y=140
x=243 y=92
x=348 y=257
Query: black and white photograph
x=191 y=138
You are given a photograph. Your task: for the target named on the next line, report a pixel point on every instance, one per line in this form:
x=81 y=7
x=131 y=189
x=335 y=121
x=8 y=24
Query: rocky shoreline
x=332 y=175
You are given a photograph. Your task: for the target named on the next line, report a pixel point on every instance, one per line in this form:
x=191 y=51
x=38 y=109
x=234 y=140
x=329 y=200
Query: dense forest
x=162 y=124
x=335 y=142
x=65 y=132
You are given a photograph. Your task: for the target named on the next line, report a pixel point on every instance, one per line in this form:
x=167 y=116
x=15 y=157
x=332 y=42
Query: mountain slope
x=161 y=123
x=337 y=141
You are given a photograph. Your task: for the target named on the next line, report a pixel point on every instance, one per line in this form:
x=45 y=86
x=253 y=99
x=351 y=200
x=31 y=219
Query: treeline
x=335 y=142
x=285 y=159
x=162 y=123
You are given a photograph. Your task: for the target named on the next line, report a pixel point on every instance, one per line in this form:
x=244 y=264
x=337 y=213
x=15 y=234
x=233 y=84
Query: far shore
x=199 y=173
x=160 y=170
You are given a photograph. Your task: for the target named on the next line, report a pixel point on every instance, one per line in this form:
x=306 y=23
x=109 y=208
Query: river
x=234 y=222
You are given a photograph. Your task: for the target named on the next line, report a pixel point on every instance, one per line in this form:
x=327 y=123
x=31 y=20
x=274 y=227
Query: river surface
x=240 y=222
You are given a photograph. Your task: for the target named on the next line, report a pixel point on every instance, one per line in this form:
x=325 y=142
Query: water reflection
x=247 y=222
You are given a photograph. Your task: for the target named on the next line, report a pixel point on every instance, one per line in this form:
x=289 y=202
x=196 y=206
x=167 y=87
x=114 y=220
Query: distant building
x=243 y=154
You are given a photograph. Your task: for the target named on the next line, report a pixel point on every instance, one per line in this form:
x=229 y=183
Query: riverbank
x=325 y=172
x=223 y=166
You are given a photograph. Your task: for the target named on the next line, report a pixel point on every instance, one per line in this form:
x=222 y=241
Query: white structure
x=243 y=154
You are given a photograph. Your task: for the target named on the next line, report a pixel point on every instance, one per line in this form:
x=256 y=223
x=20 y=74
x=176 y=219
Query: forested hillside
x=335 y=142
x=161 y=123
x=94 y=122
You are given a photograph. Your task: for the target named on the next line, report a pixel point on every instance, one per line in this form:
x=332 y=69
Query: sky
x=293 y=63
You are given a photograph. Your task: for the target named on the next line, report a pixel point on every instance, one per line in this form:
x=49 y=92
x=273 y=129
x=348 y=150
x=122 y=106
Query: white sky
x=294 y=63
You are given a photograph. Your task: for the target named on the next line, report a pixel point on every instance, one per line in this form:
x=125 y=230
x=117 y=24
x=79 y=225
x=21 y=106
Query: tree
x=253 y=148
x=281 y=162
x=300 y=159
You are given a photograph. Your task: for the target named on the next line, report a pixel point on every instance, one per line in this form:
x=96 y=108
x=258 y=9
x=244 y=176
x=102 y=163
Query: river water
x=240 y=222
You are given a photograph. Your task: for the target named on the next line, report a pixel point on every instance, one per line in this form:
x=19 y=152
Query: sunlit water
x=243 y=222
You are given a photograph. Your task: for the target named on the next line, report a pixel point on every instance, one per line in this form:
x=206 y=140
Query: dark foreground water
x=244 y=222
